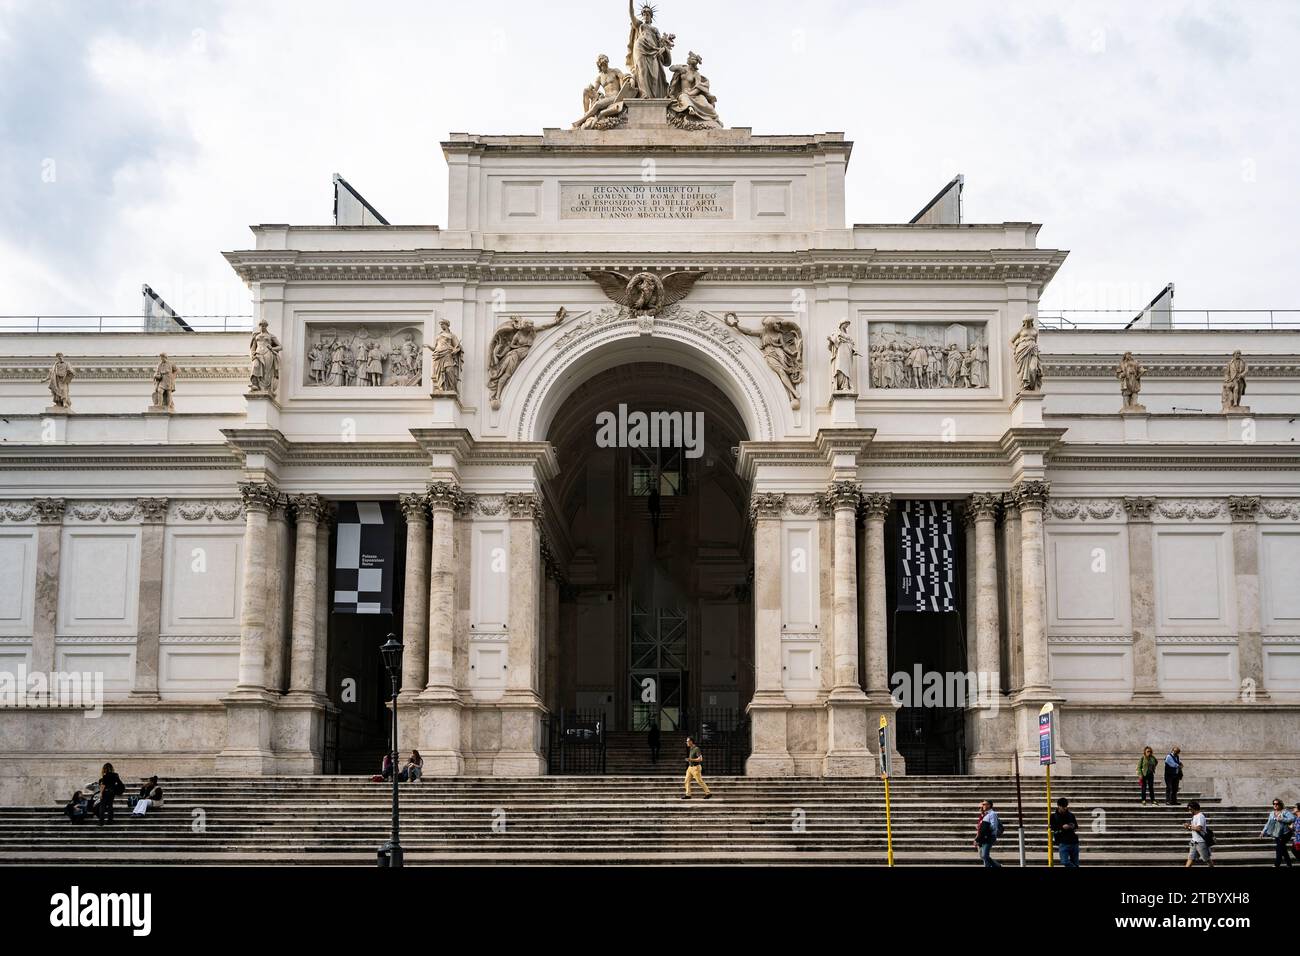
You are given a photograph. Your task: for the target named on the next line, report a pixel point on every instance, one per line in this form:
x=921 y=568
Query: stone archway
x=613 y=336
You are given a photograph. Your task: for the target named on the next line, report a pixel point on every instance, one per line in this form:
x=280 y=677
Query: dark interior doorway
x=927 y=660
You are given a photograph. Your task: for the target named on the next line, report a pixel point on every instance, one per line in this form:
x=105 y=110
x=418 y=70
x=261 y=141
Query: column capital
x=307 y=508
x=1010 y=506
x=445 y=496
x=1243 y=507
x=49 y=510
x=414 y=507
x=524 y=504
x=259 y=496
x=1139 y=510
x=152 y=510
x=766 y=504
x=876 y=504
x=844 y=493
x=983 y=505
x=1031 y=495
x=326 y=514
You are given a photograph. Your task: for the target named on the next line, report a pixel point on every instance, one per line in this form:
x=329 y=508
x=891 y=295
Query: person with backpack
x=1173 y=776
x=987 y=834
x=1202 y=843
x=1065 y=833
x=1147 y=775
x=1280 y=827
x=110 y=788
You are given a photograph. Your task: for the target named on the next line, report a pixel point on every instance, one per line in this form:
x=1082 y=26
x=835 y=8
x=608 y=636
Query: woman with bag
x=110 y=788
x=1280 y=827
x=1147 y=775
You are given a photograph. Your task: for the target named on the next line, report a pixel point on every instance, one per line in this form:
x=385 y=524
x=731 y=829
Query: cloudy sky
x=1156 y=141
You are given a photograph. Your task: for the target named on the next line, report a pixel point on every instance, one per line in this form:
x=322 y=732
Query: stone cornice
x=258 y=441
x=15 y=457
x=1023 y=440
x=218 y=367
x=816 y=265
x=1102 y=366
x=1257 y=457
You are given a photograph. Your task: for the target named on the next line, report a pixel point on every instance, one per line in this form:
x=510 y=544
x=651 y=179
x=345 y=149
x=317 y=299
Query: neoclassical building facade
x=1135 y=564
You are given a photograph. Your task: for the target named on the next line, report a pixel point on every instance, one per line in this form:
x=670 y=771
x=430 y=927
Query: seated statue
x=691 y=104
x=603 y=100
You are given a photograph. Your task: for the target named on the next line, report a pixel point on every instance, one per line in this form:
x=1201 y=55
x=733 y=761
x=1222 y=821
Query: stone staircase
x=616 y=820
x=627 y=754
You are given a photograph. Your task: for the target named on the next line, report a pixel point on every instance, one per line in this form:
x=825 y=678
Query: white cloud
x=1155 y=141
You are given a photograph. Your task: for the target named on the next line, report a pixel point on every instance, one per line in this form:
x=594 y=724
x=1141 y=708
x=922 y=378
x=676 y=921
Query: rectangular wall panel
x=99 y=575
x=1198 y=670
x=116 y=662
x=1279 y=576
x=800 y=594
x=197 y=670
x=202 y=577
x=1087 y=575
x=1092 y=671
x=1194 y=581
x=17 y=581
x=490 y=578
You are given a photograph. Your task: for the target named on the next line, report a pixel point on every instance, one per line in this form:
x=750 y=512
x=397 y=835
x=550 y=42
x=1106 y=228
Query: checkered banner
x=363 y=557
x=927 y=557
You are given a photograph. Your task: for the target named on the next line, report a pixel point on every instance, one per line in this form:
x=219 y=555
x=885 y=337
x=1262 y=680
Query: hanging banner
x=363 y=557
x=927 y=557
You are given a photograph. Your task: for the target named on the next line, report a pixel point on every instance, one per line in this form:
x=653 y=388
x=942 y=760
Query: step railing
x=575 y=742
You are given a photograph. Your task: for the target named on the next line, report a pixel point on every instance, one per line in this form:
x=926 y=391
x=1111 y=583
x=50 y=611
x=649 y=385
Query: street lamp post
x=390 y=854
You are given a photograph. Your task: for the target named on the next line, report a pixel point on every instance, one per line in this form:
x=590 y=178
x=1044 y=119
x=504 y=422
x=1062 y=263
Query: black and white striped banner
x=927 y=557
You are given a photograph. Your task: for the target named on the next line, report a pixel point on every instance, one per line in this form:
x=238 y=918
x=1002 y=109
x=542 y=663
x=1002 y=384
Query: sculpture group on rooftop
x=691 y=103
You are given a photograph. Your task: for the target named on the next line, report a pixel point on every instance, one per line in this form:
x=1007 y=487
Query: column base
x=521 y=753
x=769 y=748
x=249 y=718
x=1025 y=710
x=440 y=734
x=846 y=735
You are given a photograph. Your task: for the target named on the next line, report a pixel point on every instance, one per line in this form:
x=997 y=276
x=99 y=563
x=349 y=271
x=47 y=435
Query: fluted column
x=1142 y=596
x=303 y=642
x=988 y=658
x=1245 y=563
x=1031 y=496
x=875 y=507
x=153 y=518
x=259 y=499
x=415 y=595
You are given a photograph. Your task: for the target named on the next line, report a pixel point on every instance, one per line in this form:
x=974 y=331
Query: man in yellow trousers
x=694 y=763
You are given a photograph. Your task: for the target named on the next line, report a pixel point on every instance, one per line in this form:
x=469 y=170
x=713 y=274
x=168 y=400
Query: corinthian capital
x=48 y=510
x=1243 y=507
x=983 y=505
x=766 y=504
x=414 y=507
x=843 y=494
x=1031 y=495
x=876 y=505
x=307 y=507
x=1138 y=509
x=445 y=496
x=259 y=496
x=524 y=504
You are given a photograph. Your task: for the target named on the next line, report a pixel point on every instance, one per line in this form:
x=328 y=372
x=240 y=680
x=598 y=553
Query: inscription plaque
x=647 y=201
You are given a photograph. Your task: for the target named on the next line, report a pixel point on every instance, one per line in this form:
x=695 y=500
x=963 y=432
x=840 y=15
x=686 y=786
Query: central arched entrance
x=655 y=615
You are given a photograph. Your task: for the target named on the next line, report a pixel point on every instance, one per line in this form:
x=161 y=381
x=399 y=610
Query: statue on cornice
x=509 y=346
x=1024 y=348
x=264 y=353
x=648 y=52
x=693 y=106
x=1130 y=374
x=448 y=359
x=1234 y=383
x=164 y=384
x=603 y=100
x=781 y=343
x=843 y=349
x=59 y=379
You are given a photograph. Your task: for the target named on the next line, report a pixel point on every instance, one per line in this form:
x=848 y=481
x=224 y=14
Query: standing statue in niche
x=1234 y=383
x=781 y=343
x=1130 y=374
x=1024 y=347
x=448 y=359
x=843 y=348
x=164 y=384
x=603 y=100
x=648 y=52
x=264 y=352
x=509 y=347
x=693 y=106
x=59 y=379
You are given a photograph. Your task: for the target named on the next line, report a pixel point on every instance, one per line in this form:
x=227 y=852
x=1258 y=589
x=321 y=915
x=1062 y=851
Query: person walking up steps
x=694 y=769
x=1201 y=847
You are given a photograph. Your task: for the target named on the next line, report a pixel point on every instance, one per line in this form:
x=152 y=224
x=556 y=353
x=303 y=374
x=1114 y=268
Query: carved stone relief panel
x=363 y=354
x=928 y=355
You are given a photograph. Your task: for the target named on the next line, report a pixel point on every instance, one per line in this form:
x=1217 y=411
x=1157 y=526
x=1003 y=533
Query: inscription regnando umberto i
x=647 y=201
